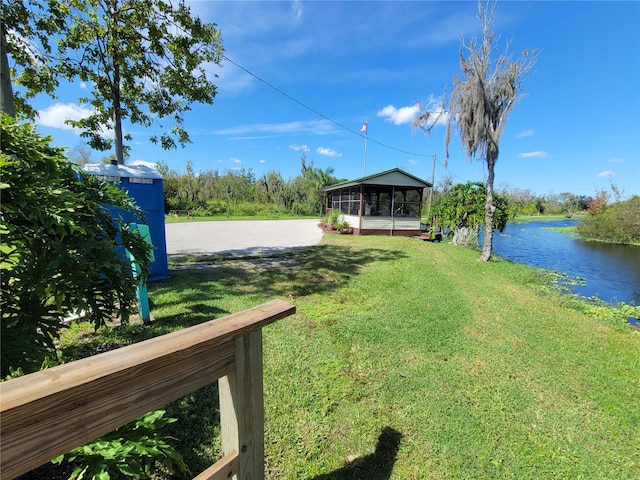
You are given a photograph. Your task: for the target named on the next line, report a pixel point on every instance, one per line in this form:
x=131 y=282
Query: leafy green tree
x=58 y=254
x=441 y=191
x=583 y=202
x=480 y=103
x=26 y=27
x=144 y=61
x=317 y=180
x=569 y=203
x=170 y=187
x=463 y=211
x=271 y=185
x=529 y=209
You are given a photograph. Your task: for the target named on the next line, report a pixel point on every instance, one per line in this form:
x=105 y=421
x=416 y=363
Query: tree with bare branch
x=482 y=98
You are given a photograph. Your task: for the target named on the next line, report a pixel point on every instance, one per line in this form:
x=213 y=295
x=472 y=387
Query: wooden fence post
x=242 y=408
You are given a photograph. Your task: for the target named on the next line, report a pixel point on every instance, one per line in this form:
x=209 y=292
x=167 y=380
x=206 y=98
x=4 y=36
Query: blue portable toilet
x=144 y=185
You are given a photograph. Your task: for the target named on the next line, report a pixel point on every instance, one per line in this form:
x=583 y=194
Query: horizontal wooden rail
x=223 y=469
x=48 y=413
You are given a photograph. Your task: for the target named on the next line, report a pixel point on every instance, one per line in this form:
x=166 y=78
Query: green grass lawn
x=410 y=360
x=568 y=231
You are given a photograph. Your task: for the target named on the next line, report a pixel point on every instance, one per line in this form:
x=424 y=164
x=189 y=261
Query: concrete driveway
x=243 y=237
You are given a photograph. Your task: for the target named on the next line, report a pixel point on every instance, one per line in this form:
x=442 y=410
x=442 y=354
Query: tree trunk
x=6 y=90
x=489 y=208
x=117 y=115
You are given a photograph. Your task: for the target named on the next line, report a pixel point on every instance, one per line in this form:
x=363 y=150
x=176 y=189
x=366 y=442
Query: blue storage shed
x=144 y=185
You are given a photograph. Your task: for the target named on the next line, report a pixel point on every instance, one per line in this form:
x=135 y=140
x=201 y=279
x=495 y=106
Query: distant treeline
x=241 y=193
x=524 y=201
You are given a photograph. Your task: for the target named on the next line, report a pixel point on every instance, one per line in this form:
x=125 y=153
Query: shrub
x=216 y=207
x=132 y=450
x=464 y=212
x=617 y=223
x=58 y=252
x=333 y=219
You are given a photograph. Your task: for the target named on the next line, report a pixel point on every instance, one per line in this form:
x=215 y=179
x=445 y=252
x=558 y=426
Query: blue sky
x=334 y=65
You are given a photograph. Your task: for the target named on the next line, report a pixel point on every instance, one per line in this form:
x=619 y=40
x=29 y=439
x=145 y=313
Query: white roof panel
x=122 y=171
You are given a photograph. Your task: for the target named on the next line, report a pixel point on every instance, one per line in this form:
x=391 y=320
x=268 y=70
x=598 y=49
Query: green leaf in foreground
x=134 y=450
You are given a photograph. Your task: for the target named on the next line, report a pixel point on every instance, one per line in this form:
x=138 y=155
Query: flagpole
x=366 y=135
x=365 y=129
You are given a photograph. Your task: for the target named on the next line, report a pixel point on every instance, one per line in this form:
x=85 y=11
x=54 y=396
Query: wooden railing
x=48 y=413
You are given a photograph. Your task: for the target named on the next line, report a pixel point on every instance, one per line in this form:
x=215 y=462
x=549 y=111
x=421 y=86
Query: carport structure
x=385 y=203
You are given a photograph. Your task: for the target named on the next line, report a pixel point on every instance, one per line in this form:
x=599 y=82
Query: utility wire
x=344 y=127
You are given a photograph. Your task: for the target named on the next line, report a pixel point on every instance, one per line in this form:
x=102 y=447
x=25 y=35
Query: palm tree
x=483 y=96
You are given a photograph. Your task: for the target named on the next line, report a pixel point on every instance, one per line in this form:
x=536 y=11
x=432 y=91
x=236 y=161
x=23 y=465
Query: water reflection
x=611 y=272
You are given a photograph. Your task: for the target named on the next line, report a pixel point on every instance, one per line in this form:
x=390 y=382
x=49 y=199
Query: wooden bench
x=177 y=213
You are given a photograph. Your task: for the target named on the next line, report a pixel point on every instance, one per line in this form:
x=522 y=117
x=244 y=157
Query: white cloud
x=83 y=85
x=536 y=154
x=329 y=152
x=399 y=116
x=407 y=115
x=56 y=115
x=300 y=148
x=413 y=162
x=606 y=173
x=262 y=161
x=235 y=160
x=316 y=127
x=296 y=10
x=525 y=133
x=616 y=160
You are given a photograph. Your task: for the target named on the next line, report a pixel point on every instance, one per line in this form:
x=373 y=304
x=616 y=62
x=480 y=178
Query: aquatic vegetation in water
x=563 y=282
x=571 y=232
x=614 y=314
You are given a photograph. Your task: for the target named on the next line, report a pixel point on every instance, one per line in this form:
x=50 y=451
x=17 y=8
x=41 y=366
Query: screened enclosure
x=385 y=203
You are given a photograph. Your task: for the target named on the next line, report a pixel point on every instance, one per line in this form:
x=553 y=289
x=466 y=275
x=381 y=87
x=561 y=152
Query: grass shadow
x=200 y=286
x=204 y=288
x=318 y=269
x=376 y=466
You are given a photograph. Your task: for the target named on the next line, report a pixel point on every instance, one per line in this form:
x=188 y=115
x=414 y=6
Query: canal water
x=610 y=272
